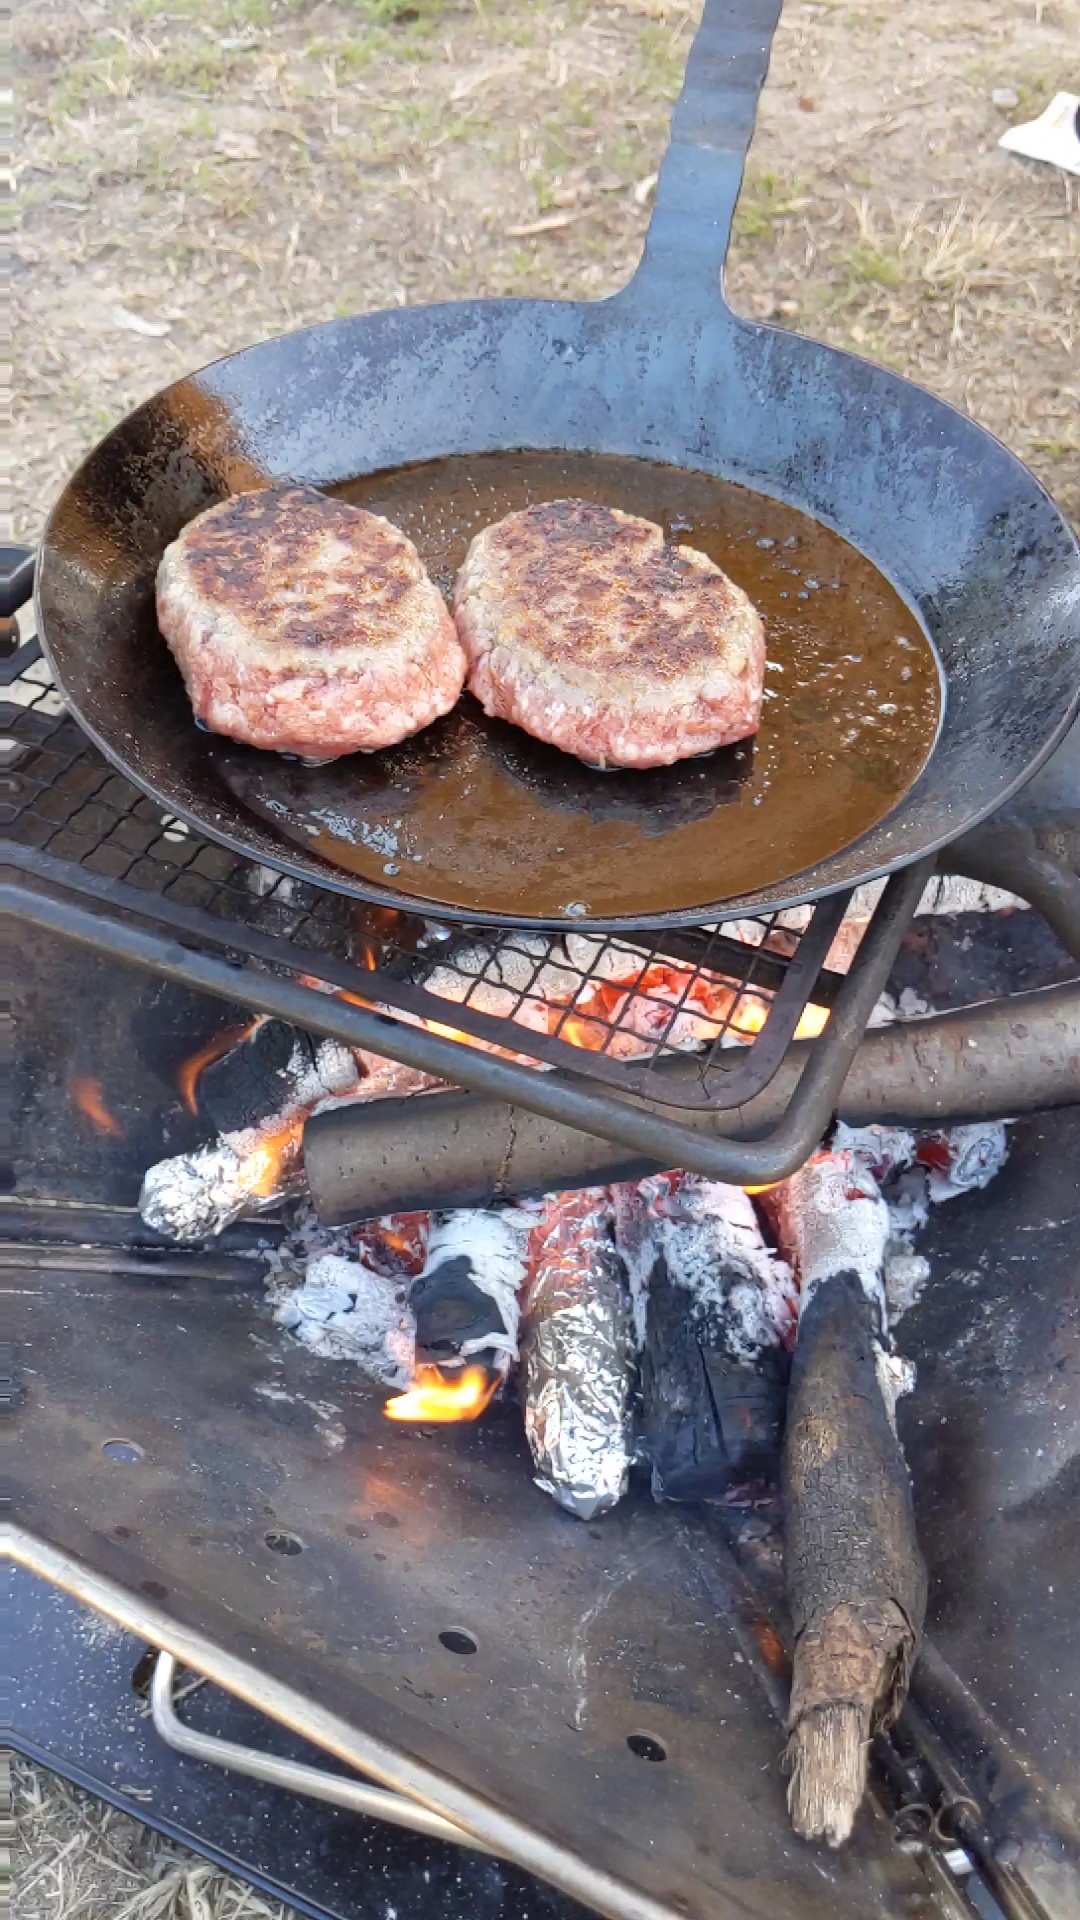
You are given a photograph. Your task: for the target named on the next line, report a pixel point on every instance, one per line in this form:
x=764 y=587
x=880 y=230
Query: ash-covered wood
x=465 y=1301
x=709 y=1421
x=268 y=1074
x=453 y=1313
x=712 y=1307
x=855 y=1578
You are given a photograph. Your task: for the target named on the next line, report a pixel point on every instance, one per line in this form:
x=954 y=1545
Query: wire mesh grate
x=724 y=1001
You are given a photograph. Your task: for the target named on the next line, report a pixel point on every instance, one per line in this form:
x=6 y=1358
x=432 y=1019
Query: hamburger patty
x=305 y=625
x=582 y=625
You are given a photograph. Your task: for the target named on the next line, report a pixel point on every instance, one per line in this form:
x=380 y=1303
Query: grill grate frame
x=610 y=1008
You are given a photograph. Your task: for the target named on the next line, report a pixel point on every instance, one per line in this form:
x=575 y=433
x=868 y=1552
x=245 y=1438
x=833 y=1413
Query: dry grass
x=79 y=1859
x=214 y=170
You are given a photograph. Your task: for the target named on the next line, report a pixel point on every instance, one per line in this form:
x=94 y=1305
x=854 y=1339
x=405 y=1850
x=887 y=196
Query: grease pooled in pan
x=474 y=814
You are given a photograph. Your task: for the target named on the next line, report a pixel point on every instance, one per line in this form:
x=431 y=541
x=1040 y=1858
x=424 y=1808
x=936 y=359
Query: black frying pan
x=471 y=819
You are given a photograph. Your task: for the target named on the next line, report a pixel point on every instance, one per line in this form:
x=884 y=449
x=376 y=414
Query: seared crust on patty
x=306 y=625
x=584 y=626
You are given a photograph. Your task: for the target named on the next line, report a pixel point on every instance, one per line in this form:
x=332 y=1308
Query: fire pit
x=195 y=1441
x=664 y=1185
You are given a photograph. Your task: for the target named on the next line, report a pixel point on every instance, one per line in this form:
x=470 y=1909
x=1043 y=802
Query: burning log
x=714 y=1312
x=258 y=1095
x=855 y=1578
x=979 y=1064
x=465 y=1303
x=465 y=1300
x=577 y=1356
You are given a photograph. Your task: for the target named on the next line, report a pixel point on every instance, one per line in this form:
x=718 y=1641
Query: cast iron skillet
x=664 y=371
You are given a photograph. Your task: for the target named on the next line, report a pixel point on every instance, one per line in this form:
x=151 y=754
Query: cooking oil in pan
x=474 y=814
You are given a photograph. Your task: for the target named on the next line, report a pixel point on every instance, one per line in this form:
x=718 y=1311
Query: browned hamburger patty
x=306 y=625
x=582 y=625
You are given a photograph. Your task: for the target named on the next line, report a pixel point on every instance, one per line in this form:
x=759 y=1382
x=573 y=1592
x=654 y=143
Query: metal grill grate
x=727 y=999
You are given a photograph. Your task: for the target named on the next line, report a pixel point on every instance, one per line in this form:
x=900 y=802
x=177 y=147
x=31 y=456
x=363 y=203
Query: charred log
x=274 y=1070
x=711 y=1306
x=465 y=1299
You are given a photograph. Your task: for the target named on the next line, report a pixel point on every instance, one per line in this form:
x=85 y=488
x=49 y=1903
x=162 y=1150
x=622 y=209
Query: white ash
x=333 y=1070
x=345 y=1312
x=913 y=1172
x=973 y=1154
x=906 y=1275
x=533 y=977
x=835 y=1221
x=384 y=1079
x=707 y=1233
x=908 y=1200
x=494 y=979
x=884 y=1150
x=888 y=1154
x=495 y=1244
x=896 y=1009
x=895 y=1375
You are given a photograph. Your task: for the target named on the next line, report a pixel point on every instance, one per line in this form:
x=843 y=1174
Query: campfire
x=671 y=1325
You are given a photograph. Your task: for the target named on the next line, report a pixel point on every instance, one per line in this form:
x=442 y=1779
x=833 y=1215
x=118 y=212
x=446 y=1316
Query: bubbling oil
x=852 y=707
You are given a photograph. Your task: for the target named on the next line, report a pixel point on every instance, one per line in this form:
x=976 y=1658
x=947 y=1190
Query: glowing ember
x=90 y=1101
x=395 y=1246
x=434 y=1398
x=812 y=1022
x=187 y=1075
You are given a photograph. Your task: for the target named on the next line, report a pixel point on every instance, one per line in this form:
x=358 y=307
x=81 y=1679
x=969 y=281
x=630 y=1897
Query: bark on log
x=855 y=1578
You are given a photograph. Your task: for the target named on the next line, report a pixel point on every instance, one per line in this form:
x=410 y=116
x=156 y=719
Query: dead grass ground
x=194 y=174
x=79 y=1859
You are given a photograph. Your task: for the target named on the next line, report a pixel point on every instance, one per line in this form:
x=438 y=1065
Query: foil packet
x=577 y=1355
x=197 y=1195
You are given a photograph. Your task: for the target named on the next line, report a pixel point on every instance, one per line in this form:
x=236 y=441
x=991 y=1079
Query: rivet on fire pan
x=122 y=1450
x=279 y=1541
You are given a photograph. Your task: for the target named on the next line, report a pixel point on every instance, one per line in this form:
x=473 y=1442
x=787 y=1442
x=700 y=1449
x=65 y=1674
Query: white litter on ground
x=1053 y=137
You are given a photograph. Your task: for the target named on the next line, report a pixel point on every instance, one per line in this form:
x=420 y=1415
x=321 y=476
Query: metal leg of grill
x=356 y=1796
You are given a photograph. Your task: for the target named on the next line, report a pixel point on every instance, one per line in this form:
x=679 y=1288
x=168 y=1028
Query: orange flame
x=187 y=1074
x=268 y=1160
x=584 y=1033
x=336 y=993
x=437 y=1399
x=88 y=1097
x=813 y=1021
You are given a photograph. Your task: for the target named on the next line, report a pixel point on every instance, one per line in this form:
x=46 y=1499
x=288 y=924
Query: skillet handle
x=702 y=170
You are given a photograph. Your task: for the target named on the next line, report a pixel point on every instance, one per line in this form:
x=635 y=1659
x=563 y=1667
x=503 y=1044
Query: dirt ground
x=195 y=174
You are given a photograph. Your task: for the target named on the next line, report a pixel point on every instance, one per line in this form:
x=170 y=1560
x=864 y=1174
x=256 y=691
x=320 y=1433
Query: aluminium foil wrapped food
x=577 y=1355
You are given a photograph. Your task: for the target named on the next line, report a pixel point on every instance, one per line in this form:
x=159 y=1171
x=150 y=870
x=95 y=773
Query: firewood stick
x=855 y=1579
